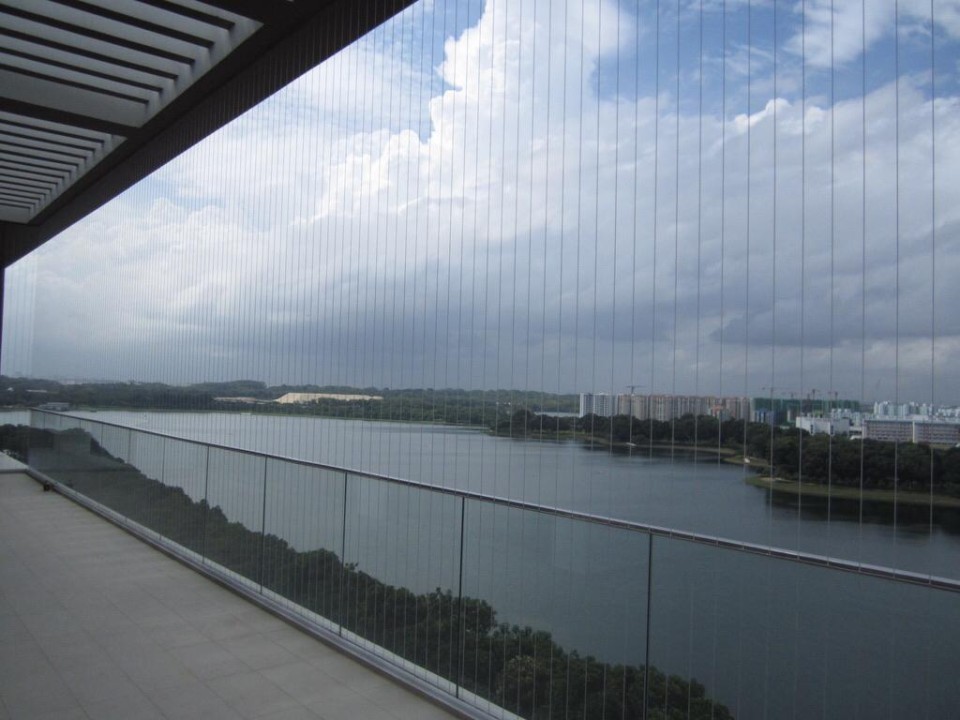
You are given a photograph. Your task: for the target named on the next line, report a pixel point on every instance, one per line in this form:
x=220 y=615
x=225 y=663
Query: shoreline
x=845 y=492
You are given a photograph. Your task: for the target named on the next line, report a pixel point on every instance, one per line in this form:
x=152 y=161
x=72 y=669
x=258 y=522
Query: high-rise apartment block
x=664 y=407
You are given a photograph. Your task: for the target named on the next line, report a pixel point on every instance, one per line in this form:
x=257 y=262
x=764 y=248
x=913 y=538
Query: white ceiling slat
x=67 y=66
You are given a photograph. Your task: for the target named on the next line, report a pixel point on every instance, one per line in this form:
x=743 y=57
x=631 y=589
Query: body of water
x=677 y=490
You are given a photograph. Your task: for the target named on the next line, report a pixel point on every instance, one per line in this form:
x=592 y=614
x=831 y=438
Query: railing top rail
x=834 y=563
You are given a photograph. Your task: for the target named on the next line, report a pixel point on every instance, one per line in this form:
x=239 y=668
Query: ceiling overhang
x=96 y=94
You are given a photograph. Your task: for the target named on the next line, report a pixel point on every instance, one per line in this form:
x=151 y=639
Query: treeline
x=477 y=408
x=519 y=668
x=482 y=408
x=882 y=465
x=795 y=454
x=19 y=392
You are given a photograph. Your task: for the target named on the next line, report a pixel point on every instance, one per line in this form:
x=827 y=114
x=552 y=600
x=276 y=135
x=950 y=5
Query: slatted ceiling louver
x=70 y=67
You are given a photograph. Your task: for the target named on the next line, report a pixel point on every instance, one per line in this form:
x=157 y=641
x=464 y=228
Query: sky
x=698 y=197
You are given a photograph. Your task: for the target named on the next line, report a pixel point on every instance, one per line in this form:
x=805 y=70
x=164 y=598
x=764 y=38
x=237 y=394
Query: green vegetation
x=480 y=408
x=914 y=468
x=519 y=668
x=845 y=492
x=795 y=454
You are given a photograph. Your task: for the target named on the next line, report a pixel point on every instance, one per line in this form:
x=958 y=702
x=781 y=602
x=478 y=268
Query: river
x=667 y=489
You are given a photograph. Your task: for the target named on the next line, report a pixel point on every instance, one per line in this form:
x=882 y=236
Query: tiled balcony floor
x=95 y=624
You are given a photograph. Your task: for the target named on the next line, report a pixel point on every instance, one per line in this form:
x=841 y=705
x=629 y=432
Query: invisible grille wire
x=896 y=204
x=385 y=221
x=863 y=260
x=749 y=217
x=933 y=235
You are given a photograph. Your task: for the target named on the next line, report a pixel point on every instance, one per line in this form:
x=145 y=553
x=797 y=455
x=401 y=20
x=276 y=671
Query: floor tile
x=95 y=625
x=252 y=694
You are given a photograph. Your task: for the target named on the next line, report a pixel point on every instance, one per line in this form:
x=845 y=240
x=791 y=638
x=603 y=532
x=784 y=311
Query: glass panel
x=146 y=454
x=303 y=547
x=554 y=614
x=146 y=457
x=235 y=495
x=117 y=484
x=66 y=456
x=185 y=467
x=402 y=571
x=112 y=439
x=773 y=638
x=184 y=487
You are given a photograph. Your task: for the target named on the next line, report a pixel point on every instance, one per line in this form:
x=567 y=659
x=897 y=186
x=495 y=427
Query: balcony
x=94 y=623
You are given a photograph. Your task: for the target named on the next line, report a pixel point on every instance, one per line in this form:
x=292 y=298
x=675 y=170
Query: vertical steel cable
x=425 y=200
x=723 y=220
x=773 y=269
x=927 y=675
x=803 y=248
x=456 y=609
x=615 y=236
x=676 y=247
x=633 y=235
x=498 y=358
x=696 y=379
x=553 y=583
x=833 y=202
x=768 y=609
x=863 y=275
x=421 y=552
x=656 y=227
x=485 y=322
x=896 y=205
x=933 y=239
x=366 y=314
x=746 y=306
x=461 y=625
x=472 y=330
x=578 y=230
x=863 y=255
x=723 y=212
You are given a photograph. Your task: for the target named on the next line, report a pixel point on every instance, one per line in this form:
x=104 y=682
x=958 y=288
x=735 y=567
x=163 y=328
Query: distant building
x=888 y=430
x=936 y=433
x=663 y=407
x=824 y=426
x=299 y=397
x=920 y=430
x=600 y=404
x=54 y=406
x=730 y=408
x=765 y=416
x=787 y=409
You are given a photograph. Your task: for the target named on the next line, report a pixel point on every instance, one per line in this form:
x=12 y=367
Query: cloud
x=503 y=217
x=837 y=31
